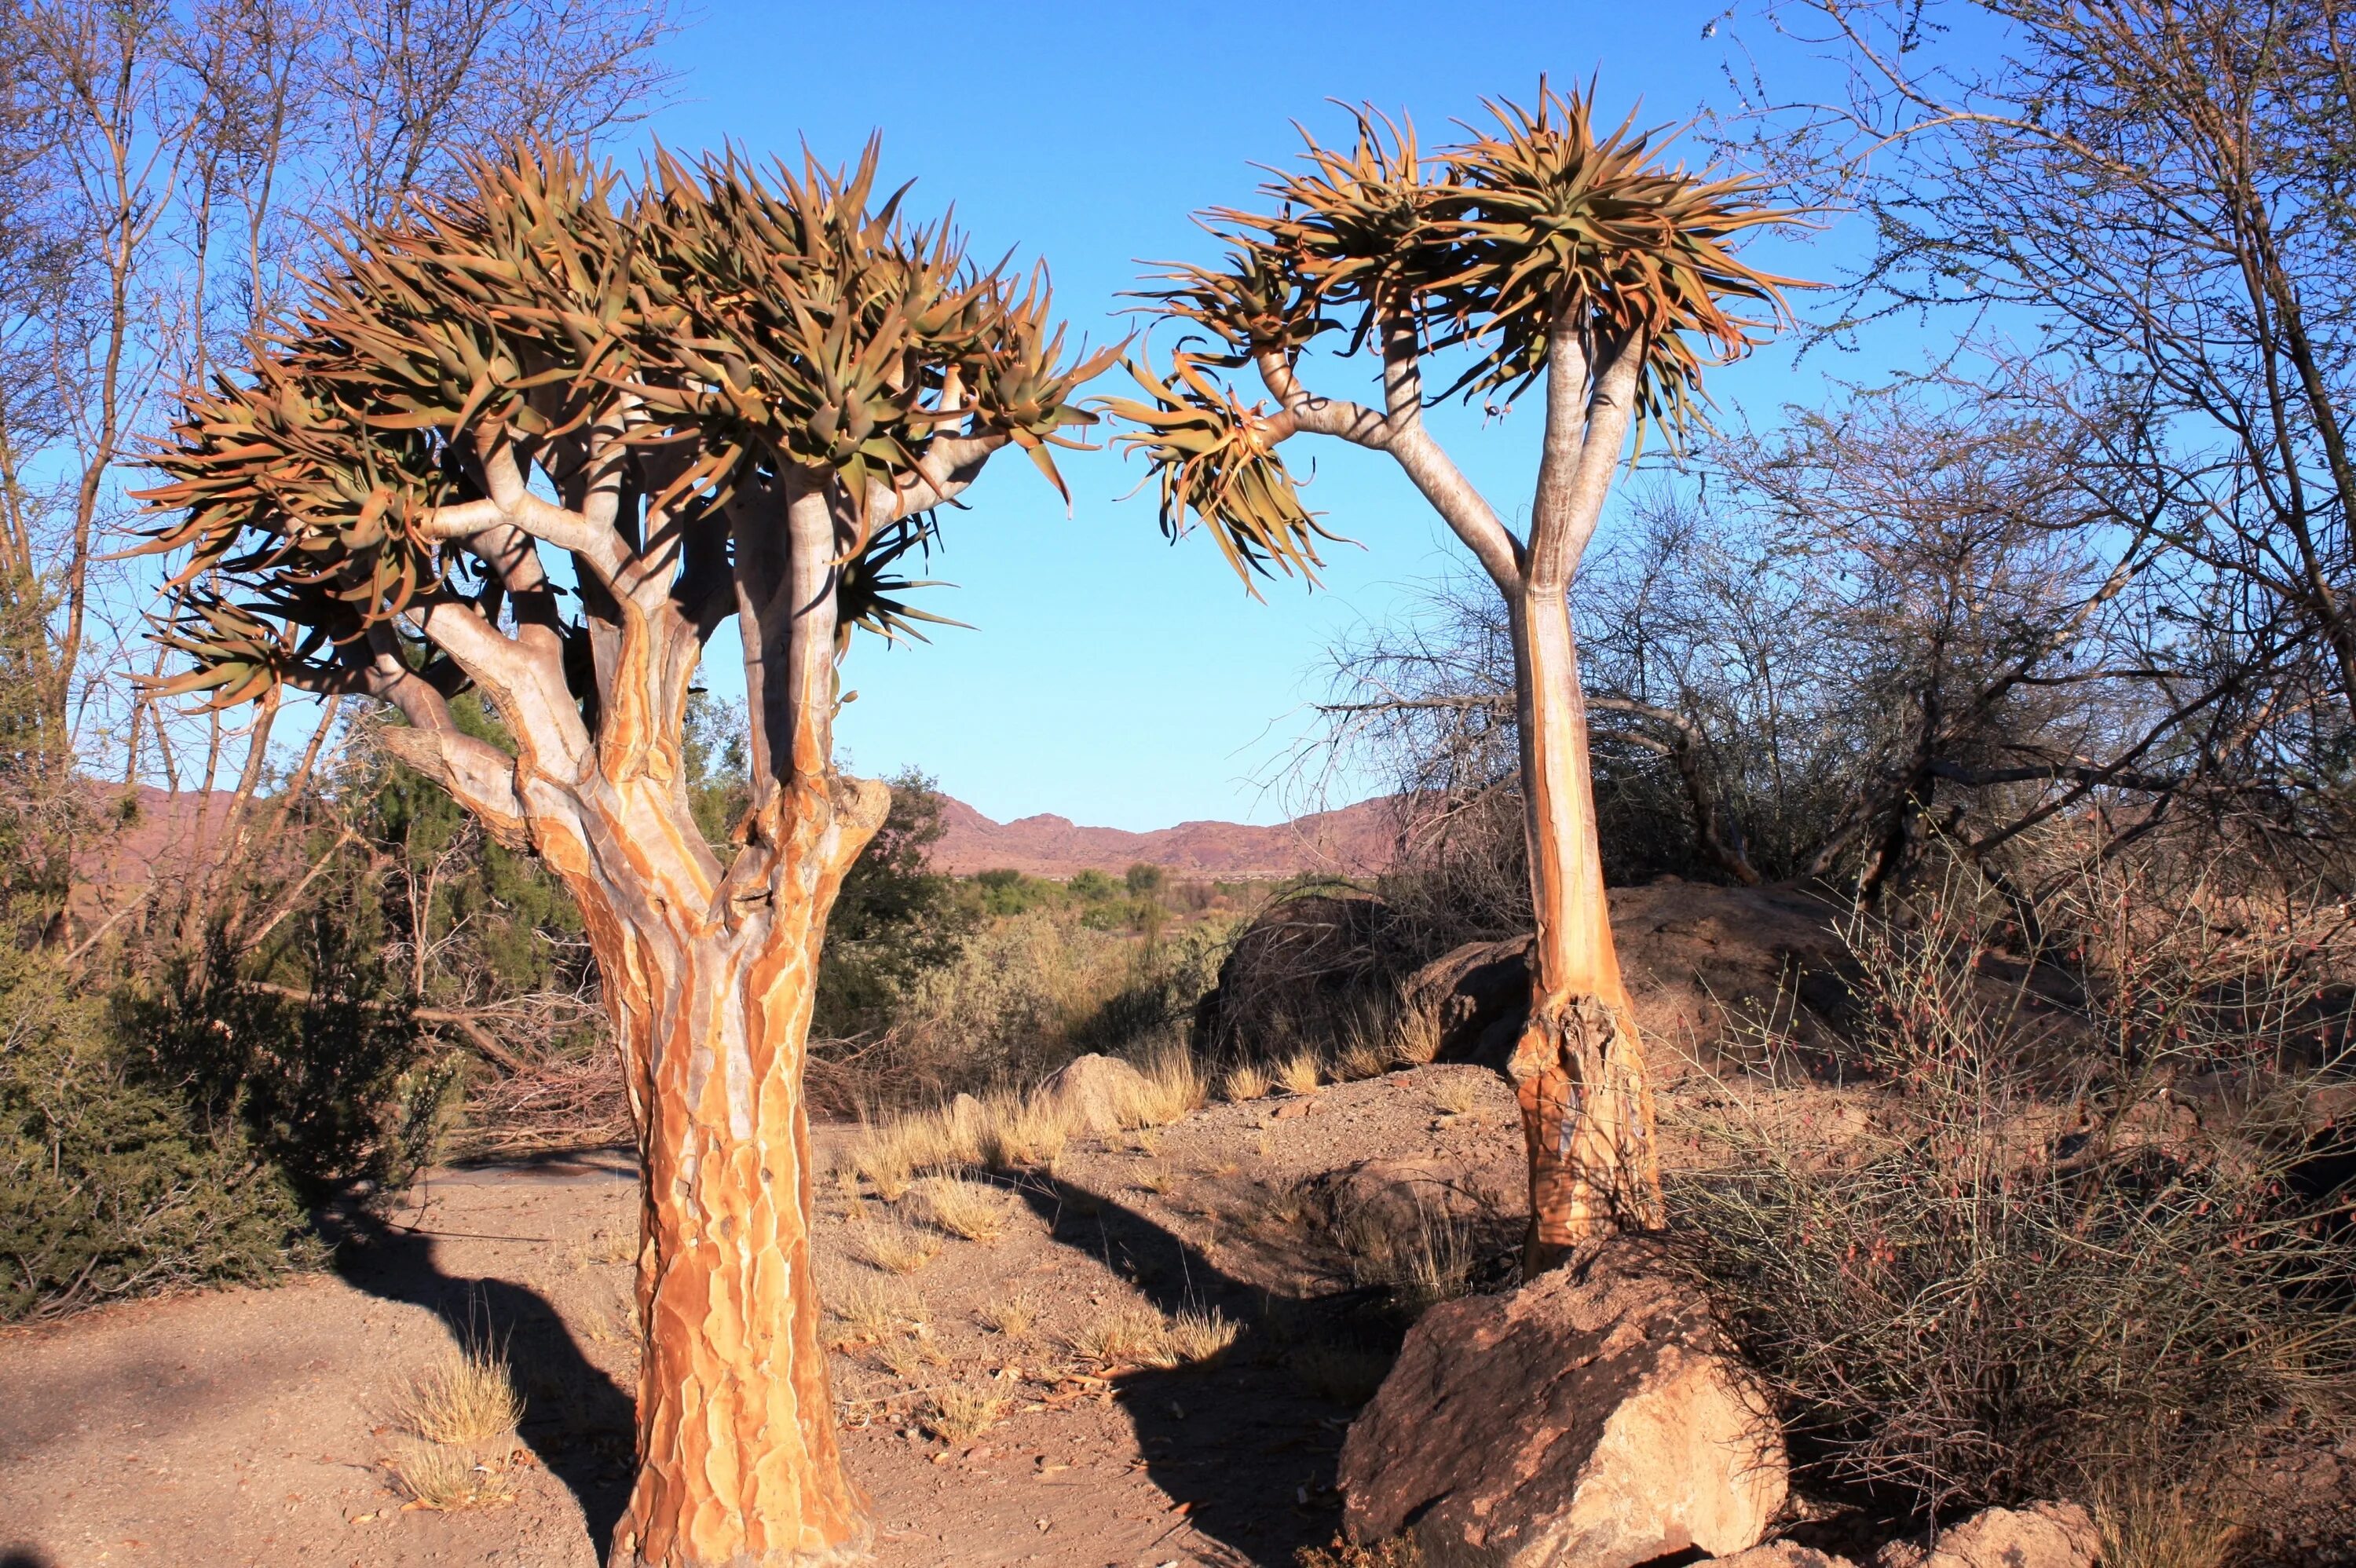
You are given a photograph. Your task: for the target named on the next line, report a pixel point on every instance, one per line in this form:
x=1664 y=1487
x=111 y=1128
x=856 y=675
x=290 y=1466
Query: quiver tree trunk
x=738 y=1460
x=1579 y=1068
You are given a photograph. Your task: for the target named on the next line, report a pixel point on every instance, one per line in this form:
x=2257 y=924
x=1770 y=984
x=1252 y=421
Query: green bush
x=110 y=1184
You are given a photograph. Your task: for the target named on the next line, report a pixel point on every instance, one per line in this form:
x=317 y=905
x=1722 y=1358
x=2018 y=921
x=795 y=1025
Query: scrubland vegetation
x=2035 y=670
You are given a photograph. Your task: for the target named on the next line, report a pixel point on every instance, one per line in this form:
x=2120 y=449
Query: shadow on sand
x=1243 y=1444
x=582 y=1425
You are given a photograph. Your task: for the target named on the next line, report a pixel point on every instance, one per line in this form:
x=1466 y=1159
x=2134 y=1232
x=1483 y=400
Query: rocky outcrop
x=1092 y=1093
x=2042 y=1535
x=1590 y=1418
x=1303 y=968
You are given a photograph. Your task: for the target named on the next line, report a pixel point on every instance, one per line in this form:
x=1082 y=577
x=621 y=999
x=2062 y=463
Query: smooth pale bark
x=738 y=1461
x=1579 y=1067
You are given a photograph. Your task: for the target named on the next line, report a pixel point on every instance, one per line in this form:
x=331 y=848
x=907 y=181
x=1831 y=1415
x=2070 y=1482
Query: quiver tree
x=544 y=440
x=1540 y=254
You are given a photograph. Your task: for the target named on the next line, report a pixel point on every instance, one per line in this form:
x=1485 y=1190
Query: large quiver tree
x=1543 y=254
x=544 y=442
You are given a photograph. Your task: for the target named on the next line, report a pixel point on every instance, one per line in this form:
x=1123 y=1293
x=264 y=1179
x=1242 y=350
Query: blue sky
x=1111 y=677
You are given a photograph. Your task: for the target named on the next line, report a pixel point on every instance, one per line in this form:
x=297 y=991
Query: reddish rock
x=2042 y=1535
x=1782 y=1554
x=1590 y=1418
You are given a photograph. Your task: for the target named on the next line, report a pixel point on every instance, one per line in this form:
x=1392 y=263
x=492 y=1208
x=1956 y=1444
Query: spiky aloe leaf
x=1216 y=459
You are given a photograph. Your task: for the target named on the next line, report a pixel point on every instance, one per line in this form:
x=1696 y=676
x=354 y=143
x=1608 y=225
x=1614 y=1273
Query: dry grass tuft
x=466 y=1397
x=1014 y=1317
x=1361 y=1058
x=1021 y=1132
x=1145 y=1140
x=1398 y=1552
x=1135 y=1335
x=894 y=1153
x=959 y=1414
x=1457 y=1094
x=1155 y=1178
x=1195 y=1337
x=870 y=1310
x=970 y=1210
x=2146 y=1522
x=435 y=1476
x=906 y=1356
x=1300 y=1073
x=1247 y=1081
x=1173 y=1087
x=893 y=1247
x=1415 y=1036
x=1429 y=1262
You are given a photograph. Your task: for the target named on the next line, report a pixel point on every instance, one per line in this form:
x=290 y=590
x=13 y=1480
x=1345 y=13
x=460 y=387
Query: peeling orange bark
x=1579 y=1068
x=738 y=1463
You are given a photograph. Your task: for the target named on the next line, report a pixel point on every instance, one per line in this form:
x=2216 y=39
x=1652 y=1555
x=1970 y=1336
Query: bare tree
x=1913 y=614
x=2164 y=185
x=1555 y=256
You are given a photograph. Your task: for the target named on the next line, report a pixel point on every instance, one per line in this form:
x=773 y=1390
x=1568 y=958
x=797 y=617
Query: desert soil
x=252 y=1426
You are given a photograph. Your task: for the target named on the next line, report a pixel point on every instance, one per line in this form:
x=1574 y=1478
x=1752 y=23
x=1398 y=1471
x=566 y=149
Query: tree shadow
x=581 y=1425
x=1246 y=1447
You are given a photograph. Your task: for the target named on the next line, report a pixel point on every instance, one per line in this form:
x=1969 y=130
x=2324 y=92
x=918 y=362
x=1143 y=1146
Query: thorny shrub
x=2057 y=1231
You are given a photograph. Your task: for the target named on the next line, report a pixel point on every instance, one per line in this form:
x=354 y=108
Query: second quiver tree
x=1546 y=255
x=544 y=442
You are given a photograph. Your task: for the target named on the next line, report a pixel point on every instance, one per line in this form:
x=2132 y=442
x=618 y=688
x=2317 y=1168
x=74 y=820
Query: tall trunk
x=738 y=1462
x=1579 y=1068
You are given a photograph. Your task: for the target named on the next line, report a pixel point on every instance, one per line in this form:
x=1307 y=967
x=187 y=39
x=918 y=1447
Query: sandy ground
x=249 y=1427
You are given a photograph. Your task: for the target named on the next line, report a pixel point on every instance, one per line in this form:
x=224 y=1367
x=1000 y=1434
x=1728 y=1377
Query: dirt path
x=249 y=1427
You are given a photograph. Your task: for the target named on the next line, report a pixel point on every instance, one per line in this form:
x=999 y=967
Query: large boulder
x=1093 y=1094
x=1697 y=957
x=1590 y=1418
x=1303 y=968
x=1476 y=997
x=2042 y=1535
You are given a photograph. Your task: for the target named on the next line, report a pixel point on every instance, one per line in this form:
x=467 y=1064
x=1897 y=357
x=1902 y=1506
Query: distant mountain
x=1354 y=841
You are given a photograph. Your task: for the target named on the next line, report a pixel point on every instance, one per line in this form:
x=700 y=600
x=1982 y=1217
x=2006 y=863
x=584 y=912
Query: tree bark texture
x=1579 y=1067
x=738 y=1460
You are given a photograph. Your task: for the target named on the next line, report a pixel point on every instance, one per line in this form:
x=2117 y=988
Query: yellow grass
x=970 y=1210
x=1362 y=1058
x=959 y=1414
x=2150 y=1523
x=436 y=1477
x=1021 y=1132
x=1250 y=1081
x=1195 y=1336
x=1173 y=1086
x=1457 y=1094
x=893 y=1154
x=1415 y=1036
x=1299 y=1073
x=870 y=1310
x=464 y=1397
x=893 y=1247
x=1014 y=1317
x=1135 y=1335
x=904 y=1356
